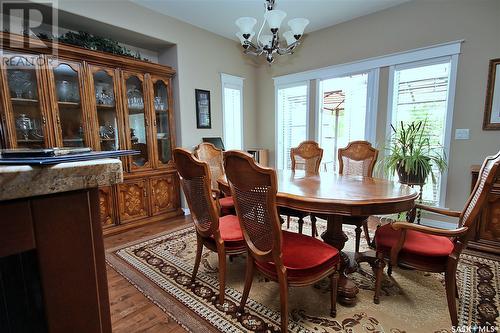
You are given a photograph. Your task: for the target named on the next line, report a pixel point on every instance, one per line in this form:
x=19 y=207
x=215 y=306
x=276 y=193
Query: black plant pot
x=411 y=178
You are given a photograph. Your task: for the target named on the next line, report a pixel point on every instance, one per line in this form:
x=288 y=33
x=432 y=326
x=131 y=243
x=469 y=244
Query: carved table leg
x=347 y=289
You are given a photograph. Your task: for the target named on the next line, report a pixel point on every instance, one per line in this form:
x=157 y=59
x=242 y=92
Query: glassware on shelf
x=20 y=82
x=133 y=138
x=104 y=94
x=134 y=97
x=37 y=131
x=24 y=124
x=65 y=91
x=106 y=132
x=159 y=104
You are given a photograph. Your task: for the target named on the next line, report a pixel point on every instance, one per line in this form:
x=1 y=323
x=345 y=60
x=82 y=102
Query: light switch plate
x=462 y=134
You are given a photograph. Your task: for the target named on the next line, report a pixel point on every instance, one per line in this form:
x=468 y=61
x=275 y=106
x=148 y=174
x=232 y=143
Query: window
x=232 y=110
x=343 y=114
x=421 y=92
x=292 y=120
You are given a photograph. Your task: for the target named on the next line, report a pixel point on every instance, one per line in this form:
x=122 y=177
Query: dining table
x=338 y=197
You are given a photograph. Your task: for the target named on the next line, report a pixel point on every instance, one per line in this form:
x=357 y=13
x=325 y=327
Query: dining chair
x=289 y=258
x=219 y=234
x=214 y=156
x=432 y=249
x=306 y=156
x=358 y=158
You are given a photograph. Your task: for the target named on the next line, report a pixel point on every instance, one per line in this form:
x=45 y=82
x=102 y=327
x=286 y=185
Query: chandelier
x=269 y=44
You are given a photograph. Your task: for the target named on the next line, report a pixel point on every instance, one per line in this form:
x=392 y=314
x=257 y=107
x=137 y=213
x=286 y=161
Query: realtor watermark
x=37 y=20
x=475 y=329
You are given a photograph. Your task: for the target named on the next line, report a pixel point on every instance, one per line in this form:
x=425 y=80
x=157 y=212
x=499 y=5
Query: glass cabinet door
x=69 y=104
x=138 y=122
x=162 y=121
x=27 y=116
x=106 y=110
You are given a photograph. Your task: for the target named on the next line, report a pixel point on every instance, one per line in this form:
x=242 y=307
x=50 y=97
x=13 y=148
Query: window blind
x=232 y=118
x=421 y=94
x=292 y=121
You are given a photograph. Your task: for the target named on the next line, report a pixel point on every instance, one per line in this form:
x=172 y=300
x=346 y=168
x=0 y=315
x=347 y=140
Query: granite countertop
x=21 y=181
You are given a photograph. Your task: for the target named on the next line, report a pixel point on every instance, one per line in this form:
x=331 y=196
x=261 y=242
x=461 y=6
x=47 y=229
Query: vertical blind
x=421 y=94
x=232 y=118
x=292 y=121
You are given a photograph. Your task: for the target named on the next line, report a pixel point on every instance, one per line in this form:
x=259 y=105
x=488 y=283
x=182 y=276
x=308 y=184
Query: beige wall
x=199 y=57
x=412 y=25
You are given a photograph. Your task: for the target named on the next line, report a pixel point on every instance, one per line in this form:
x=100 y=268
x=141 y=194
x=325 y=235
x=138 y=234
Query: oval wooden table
x=335 y=197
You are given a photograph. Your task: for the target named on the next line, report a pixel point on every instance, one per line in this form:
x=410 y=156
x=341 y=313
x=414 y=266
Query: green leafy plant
x=409 y=152
x=92 y=42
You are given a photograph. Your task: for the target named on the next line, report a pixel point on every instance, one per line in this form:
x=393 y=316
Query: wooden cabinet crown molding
x=15 y=42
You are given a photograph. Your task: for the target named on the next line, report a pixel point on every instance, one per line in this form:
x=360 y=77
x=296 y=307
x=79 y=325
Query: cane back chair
x=306 y=156
x=289 y=258
x=358 y=158
x=214 y=156
x=219 y=234
x=433 y=249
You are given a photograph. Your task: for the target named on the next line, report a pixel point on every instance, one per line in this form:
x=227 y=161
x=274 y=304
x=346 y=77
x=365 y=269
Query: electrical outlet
x=462 y=134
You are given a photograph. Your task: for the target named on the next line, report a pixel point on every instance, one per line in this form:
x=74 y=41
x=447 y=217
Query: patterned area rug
x=411 y=301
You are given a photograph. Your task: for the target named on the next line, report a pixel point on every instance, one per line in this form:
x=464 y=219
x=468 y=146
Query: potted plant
x=409 y=153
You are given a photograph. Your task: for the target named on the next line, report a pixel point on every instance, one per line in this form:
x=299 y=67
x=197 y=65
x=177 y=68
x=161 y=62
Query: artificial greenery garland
x=91 y=42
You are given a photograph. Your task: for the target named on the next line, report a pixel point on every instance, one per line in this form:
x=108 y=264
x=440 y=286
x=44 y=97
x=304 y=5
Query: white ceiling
x=218 y=16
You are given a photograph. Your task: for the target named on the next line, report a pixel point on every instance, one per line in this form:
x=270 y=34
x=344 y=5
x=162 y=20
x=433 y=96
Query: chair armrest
x=439 y=210
x=429 y=230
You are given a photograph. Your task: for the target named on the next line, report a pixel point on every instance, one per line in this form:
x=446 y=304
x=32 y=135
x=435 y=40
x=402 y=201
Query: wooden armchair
x=307 y=156
x=434 y=249
x=214 y=156
x=289 y=258
x=358 y=159
x=219 y=234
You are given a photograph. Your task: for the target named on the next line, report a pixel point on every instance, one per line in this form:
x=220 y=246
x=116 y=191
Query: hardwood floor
x=131 y=311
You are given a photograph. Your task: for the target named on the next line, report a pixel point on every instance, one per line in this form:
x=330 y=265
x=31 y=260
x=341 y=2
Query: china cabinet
x=486 y=234
x=84 y=98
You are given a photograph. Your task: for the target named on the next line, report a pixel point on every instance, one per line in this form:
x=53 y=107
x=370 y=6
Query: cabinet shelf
x=105 y=106
x=24 y=101
x=29 y=141
x=72 y=105
x=73 y=140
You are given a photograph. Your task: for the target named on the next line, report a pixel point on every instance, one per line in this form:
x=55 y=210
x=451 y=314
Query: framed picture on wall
x=203 y=118
x=492 y=104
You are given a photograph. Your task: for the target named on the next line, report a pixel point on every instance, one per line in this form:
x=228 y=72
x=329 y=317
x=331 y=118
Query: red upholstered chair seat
x=418 y=246
x=303 y=256
x=230 y=232
x=227 y=206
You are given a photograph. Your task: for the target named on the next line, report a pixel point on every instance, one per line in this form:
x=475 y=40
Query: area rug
x=411 y=301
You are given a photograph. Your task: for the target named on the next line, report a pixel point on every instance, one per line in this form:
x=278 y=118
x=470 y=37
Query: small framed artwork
x=492 y=104
x=203 y=118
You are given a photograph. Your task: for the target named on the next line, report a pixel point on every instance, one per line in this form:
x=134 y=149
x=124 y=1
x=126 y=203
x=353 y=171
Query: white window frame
x=276 y=129
x=232 y=82
x=450 y=103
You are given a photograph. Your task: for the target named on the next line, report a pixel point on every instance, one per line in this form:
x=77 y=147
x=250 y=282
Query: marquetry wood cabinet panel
x=84 y=98
x=164 y=194
x=133 y=200
x=486 y=236
x=106 y=206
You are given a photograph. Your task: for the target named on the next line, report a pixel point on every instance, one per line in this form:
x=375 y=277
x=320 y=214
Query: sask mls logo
x=28 y=19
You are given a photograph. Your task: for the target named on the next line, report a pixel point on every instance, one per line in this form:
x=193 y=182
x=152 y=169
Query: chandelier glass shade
x=270 y=44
